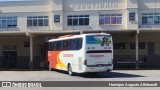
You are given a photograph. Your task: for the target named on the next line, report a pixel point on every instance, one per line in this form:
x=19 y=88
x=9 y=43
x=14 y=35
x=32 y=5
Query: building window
x=10 y=47
x=26 y=44
x=77 y=20
x=56 y=18
x=141 y=45
x=132 y=16
x=132 y=45
x=119 y=46
x=107 y=19
x=8 y=22
x=37 y=21
x=151 y=18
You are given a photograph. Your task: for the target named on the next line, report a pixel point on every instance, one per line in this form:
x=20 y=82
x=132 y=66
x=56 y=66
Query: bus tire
x=70 y=70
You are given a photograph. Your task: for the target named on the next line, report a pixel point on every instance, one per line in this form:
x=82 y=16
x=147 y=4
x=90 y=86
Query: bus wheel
x=70 y=70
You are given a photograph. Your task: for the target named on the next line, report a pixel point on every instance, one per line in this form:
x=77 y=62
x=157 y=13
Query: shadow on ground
x=111 y=75
x=103 y=75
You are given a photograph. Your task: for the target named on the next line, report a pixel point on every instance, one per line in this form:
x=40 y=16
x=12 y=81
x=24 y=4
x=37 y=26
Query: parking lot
x=115 y=75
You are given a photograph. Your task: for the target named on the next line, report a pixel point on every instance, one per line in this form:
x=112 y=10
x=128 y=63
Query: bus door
x=10 y=59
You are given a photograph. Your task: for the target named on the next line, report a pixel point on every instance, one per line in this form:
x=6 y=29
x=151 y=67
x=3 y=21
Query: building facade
x=26 y=25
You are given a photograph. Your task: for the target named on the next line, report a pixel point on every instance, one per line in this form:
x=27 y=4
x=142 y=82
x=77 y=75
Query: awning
x=65 y=32
x=12 y=33
x=149 y=31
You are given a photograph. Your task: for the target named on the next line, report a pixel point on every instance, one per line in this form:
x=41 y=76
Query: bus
x=85 y=53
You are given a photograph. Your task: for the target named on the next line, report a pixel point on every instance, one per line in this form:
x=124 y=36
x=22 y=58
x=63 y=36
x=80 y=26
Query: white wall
x=94 y=20
x=56 y=9
x=22 y=9
x=59 y=25
x=148 y=4
x=132 y=4
x=25 y=6
x=71 y=7
x=15 y=41
x=132 y=24
x=77 y=7
x=83 y=5
x=93 y=8
x=56 y=5
x=22 y=21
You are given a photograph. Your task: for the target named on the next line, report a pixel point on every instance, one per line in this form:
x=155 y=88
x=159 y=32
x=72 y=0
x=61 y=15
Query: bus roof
x=65 y=36
x=75 y=36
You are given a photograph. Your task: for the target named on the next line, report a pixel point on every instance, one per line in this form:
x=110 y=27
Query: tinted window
x=72 y=44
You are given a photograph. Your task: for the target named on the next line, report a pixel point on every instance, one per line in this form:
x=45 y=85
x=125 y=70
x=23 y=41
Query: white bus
x=81 y=53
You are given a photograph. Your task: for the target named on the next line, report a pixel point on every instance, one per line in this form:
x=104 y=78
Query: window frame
x=74 y=20
x=36 y=21
x=141 y=45
x=150 y=19
x=132 y=16
x=110 y=19
x=120 y=45
x=57 y=18
x=8 y=22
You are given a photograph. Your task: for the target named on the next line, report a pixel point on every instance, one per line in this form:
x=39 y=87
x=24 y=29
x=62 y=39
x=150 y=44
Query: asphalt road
x=115 y=75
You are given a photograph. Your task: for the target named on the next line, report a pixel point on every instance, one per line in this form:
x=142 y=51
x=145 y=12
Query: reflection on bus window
x=72 y=44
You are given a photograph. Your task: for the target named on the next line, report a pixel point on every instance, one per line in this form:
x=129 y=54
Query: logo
x=67 y=55
x=21 y=84
x=96 y=56
x=6 y=84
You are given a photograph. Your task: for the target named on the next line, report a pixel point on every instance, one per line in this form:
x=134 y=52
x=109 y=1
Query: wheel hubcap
x=70 y=70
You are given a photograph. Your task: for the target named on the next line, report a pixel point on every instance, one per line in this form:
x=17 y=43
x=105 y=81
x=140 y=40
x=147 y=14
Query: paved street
x=116 y=75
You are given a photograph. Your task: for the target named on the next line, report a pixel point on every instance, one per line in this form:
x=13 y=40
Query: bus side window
x=61 y=45
x=64 y=45
x=79 y=43
x=67 y=44
x=71 y=43
x=48 y=48
x=74 y=44
x=54 y=46
x=58 y=45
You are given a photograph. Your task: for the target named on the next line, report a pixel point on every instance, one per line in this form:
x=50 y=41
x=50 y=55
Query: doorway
x=9 y=59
